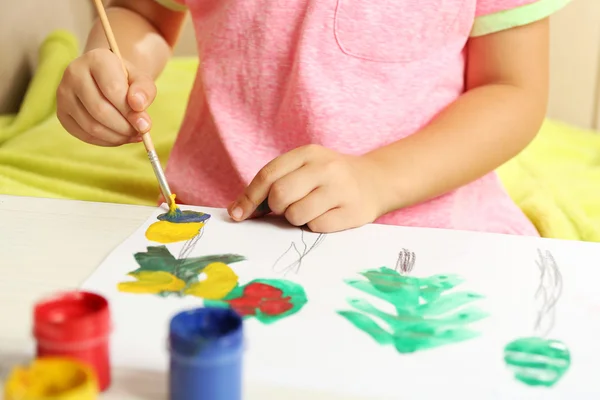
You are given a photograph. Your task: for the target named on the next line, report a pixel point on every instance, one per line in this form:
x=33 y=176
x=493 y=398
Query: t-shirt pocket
x=397 y=31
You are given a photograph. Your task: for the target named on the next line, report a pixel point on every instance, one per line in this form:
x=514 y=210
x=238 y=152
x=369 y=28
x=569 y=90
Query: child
x=339 y=112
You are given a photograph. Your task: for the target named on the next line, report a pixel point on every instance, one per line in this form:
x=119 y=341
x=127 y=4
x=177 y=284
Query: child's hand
x=97 y=104
x=312 y=185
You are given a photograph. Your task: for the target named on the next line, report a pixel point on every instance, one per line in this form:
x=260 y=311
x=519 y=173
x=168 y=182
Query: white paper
x=318 y=349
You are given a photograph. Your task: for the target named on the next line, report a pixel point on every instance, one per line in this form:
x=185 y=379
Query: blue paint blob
x=184 y=216
x=206 y=347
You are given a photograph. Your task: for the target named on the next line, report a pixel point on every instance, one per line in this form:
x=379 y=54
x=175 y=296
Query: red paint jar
x=77 y=325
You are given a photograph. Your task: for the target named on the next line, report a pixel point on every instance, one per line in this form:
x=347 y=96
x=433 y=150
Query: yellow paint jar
x=52 y=378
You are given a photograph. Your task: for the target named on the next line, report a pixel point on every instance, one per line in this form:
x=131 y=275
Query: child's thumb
x=142 y=91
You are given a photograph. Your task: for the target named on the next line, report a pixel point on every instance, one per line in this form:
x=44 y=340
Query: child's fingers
x=92 y=100
x=317 y=203
x=94 y=128
x=141 y=92
x=258 y=190
x=141 y=121
x=69 y=123
x=294 y=187
x=110 y=79
x=262 y=209
x=102 y=110
x=333 y=220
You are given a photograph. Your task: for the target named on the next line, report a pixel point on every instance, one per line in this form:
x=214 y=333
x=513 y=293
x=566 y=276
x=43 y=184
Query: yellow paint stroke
x=169 y=232
x=220 y=280
x=152 y=282
x=52 y=378
x=172 y=206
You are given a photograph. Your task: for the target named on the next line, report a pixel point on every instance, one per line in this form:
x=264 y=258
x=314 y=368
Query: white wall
x=575 y=64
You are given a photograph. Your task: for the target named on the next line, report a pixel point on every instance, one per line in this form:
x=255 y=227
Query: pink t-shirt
x=350 y=75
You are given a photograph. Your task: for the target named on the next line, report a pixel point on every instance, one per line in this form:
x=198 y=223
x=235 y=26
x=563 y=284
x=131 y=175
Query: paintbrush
x=152 y=156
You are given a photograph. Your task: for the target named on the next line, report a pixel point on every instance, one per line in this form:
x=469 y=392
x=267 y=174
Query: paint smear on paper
x=176 y=226
x=267 y=300
x=220 y=280
x=152 y=282
x=184 y=217
x=162 y=274
x=168 y=232
x=425 y=316
x=537 y=361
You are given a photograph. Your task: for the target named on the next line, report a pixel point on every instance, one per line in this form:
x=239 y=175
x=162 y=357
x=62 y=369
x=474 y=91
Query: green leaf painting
x=162 y=274
x=536 y=361
x=426 y=315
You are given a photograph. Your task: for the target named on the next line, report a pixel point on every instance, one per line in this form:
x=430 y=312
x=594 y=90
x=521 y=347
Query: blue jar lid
x=206 y=332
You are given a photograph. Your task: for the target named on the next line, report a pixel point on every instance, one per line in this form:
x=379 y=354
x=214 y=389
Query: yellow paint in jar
x=52 y=378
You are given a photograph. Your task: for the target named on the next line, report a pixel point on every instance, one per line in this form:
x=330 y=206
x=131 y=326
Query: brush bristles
x=174 y=212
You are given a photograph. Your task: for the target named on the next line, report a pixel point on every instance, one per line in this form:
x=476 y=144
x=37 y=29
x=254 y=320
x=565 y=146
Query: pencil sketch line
x=406 y=261
x=186 y=250
x=306 y=250
x=303 y=241
x=557 y=279
x=541 y=291
x=550 y=290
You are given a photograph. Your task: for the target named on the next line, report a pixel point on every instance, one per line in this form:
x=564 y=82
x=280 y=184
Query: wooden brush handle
x=112 y=43
x=110 y=36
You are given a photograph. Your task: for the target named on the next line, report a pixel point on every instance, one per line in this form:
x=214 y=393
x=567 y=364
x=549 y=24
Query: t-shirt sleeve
x=497 y=15
x=176 y=5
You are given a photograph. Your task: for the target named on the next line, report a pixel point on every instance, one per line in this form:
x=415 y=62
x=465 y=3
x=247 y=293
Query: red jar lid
x=71 y=316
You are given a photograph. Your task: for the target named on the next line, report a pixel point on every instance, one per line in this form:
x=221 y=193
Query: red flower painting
x=260 y=296
x=267 y=300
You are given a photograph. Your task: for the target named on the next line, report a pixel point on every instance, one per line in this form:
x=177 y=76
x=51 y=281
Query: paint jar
x=206 y=346
x=52 y=378
x=75 y=325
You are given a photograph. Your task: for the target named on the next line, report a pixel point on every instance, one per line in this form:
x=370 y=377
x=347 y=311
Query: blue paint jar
x=206 y=346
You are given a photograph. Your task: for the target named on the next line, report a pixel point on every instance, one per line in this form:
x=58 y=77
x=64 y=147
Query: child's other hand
x=312 y=185
x=96 y=103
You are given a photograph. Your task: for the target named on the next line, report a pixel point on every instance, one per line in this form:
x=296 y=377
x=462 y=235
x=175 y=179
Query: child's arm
x=95 y=102
x=145 y=31
x=500 y=113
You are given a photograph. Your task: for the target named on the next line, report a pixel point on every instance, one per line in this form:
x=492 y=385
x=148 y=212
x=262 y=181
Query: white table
x=52 y=245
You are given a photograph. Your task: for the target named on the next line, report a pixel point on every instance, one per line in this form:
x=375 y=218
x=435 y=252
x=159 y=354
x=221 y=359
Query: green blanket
x=556 y=180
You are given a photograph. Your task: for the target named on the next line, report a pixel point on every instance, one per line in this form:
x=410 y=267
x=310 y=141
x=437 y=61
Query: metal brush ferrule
x=160 y=176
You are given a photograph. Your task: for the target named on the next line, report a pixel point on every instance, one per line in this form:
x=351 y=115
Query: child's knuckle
x=277 y=192
x=294 y=216
x=96 y=55
x=71 y=76
x=114 y=90
x=101 y=111
x=266 y=173
x=315 y=226
x=96 y=130
x=333 y=167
